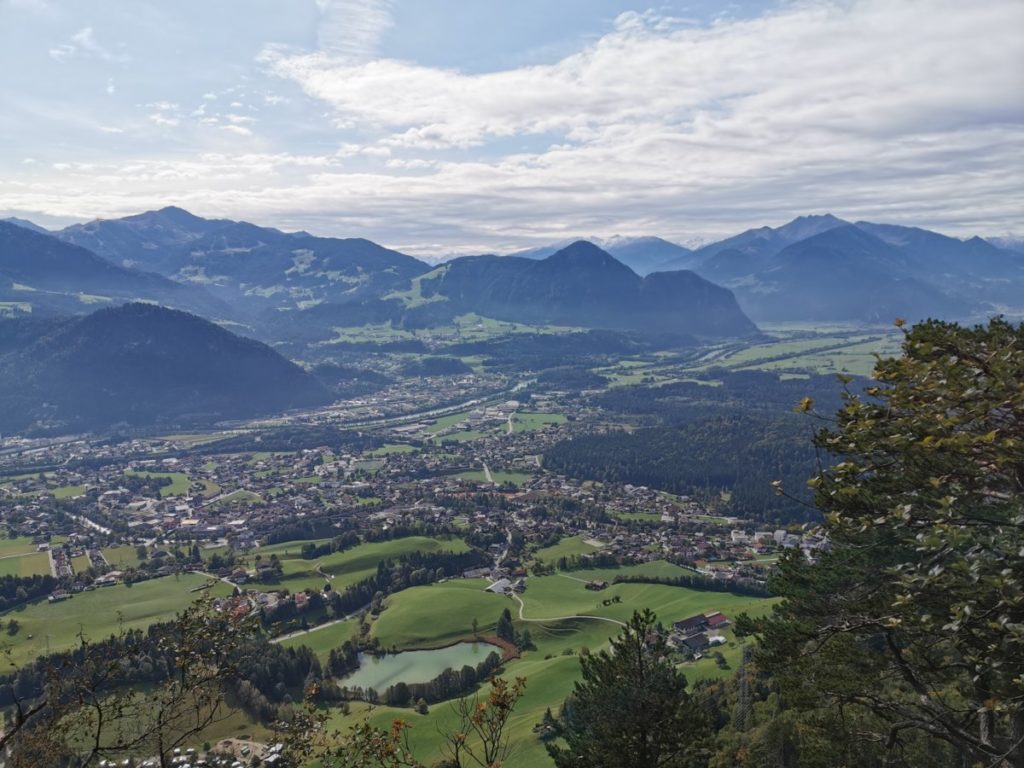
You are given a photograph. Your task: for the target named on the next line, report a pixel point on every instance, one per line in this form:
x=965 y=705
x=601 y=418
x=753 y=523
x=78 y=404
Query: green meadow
x=498 y=478
x=529 y=422
x=179 y=482
x=37 y=563
x=567 y=547
x=50 y=627
x=20 y=557
x=343 y=569
x=443 y=613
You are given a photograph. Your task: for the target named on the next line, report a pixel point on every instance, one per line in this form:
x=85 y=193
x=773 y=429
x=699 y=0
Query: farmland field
x=121 y=557
x=498 y=478
x=179 y=482
x=97 y=614
x=346 y=568
x=36 y=563
x=567 y=547
x=21 y=545
x=390 y=449
x=528 y=422
x=68 y=491
x=637 y=517
x=322 y=641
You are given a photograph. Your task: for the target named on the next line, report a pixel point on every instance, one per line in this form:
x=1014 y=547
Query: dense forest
x=698 y=439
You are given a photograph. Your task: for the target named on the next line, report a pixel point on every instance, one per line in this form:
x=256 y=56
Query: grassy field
x=121 y=557
x=638 y=517
x=567 y=547
x=478 y=476
x=368 y=465
x=529 y=422
x=391 y=448
x=210 y=489
x=55 y=626
x=843 y=350
x=346 y=568
x=68 y=491
x=20 y=557
x=21 y=545
x=238 y=497
x=856 y=358
x=179 y=482
x=441 y=613
x=322 y=641
x=36 y=563
x=445 y=422
x=438 y=614
x=465 y=436
x=786 y=347
x=464 y=328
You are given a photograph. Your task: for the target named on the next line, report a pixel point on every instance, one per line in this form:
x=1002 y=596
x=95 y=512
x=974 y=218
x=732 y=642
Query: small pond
x=415 y=666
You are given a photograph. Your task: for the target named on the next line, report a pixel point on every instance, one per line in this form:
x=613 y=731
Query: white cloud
x=162 y=118
x=873 y=67
x=350 y=30
x=910 y=112
x=84 y=43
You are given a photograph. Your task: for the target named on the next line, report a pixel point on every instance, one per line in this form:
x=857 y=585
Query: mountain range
x=55 y=277
x=641 y=254
x=579 y=285
x=825 y=269
x=815 y=268
x=139 y=365
x=254 y=268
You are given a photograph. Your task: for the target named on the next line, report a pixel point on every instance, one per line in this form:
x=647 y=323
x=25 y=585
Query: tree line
x=701 y=583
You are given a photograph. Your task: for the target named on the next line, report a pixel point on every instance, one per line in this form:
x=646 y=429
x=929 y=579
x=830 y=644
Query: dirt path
x=567 y=576
x=562 y=618
x=331 y=623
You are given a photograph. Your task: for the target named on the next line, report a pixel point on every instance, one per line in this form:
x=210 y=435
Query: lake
x=415 y=666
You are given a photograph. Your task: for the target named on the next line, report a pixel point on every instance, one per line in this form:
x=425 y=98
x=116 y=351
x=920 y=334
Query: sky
x=467 y=126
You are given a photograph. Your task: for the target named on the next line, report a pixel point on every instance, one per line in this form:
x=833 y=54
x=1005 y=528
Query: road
x=326 y=624
x=89 y=523
x=487 y=473
x=562 y=618
x=508 y=545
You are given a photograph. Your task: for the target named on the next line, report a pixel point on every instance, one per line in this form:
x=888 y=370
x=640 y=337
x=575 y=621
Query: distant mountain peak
x=26 y=224
x=803 y=227
x=580 y=249
x=143 y=364
x=584 y=253
x=175 y=213
x=823 y=217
